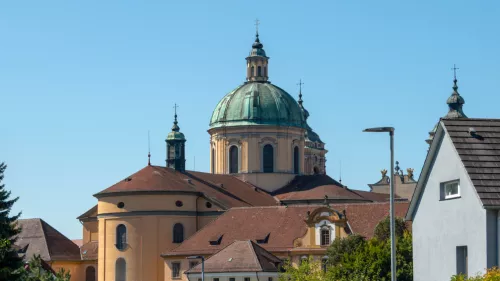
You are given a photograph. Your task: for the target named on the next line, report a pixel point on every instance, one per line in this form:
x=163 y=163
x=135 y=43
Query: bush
x=492 y=274
x=383 y=228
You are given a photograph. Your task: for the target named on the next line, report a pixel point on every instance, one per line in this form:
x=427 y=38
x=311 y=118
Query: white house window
x=462 y=260
x=451 y=190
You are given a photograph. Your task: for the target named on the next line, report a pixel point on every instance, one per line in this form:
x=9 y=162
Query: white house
x=455 y=207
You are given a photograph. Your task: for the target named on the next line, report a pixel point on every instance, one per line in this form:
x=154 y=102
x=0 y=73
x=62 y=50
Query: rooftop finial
x=175 y=128
x=257 y=22
x=455 y=68
x=149 y=150
x=300 y=91
x=455 y=101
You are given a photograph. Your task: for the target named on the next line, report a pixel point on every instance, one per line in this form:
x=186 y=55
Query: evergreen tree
x=9 y=260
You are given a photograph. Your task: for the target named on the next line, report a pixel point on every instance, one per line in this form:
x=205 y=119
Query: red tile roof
x=38 y=237
x=315 y=187
x=226 y=190
x=89 y=251
x=283 y=224
x=240 y=256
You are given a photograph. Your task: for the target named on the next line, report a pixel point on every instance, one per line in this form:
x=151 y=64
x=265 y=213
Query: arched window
x=316 y=171
x=259 y=71
x=90 y=273
x=213 y=161
x=268 y=158
x=233 y=159
x=265 y=71
x=178 y=233
x=121 y=237
x=120 y=270
x=325 y=236
x=296 y=160
x=252 y=71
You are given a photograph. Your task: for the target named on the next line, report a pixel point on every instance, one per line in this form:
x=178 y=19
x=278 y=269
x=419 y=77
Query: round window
x=178 y=203
x=120 y=205
x=209 y=205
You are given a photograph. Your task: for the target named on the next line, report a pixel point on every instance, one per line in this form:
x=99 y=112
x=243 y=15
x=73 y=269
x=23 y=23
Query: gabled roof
x=315 y=187
x=38 y=237
x=91 y=213
x=283 y=225
x=479 y=153
x=240 y=256
x=224 y=190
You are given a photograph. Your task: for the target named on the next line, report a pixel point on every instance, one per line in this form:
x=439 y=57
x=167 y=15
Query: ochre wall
x=90 y=231
x=250 y=141
x=75 y=268
x=148 y=234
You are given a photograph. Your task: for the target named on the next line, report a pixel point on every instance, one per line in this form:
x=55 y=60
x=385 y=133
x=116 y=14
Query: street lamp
x=202 y=265
x=390 y=130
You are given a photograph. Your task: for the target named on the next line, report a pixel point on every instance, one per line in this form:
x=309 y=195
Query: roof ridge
x=255 y=256
x=46 y=244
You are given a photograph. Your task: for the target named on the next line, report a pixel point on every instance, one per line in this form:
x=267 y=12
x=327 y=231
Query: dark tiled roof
x=372 y=196
x=283 y=224
x=226 y=190
x=315 y=187
x=89 y=250
x=480 y=154
x=240 y=256
x=38 y=237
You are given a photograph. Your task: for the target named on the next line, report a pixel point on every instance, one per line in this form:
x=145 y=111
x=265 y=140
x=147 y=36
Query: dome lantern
x=257 y=61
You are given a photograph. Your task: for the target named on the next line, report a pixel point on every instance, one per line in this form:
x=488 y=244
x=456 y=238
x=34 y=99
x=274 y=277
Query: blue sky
x=82 y=82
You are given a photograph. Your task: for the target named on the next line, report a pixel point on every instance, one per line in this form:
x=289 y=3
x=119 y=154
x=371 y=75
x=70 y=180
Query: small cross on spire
x=455 y=68
x=257 y=22
x=300 y=91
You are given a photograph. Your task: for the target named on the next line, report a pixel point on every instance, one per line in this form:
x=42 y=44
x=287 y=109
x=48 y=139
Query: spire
x=149 y=151
x=300 y=92
x=175 y=128
x=455 y=101
x=300 y=101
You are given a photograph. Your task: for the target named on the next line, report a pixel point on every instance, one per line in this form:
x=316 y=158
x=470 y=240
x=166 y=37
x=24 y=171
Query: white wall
x=440 y=226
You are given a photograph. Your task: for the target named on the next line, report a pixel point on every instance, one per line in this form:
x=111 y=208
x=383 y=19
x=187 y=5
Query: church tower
x=455 y=103
x=176 y=157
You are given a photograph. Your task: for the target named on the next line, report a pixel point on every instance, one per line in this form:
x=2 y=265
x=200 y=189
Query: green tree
x=342 y=247
x=371 y=261
x=36 y=271
x=9 y=260
x=382 y=230
x=308 y=270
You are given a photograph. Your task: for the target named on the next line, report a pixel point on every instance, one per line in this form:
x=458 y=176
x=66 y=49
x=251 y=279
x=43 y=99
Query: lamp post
x=202 y=265
x=390 y=130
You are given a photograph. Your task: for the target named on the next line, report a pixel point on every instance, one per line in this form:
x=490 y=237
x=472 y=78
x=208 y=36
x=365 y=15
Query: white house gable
x=447 y=214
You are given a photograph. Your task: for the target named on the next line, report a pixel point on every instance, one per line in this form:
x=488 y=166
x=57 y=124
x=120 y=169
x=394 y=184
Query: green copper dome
x=256 y=103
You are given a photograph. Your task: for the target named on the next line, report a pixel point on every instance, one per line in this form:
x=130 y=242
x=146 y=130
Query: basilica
x=266 y=199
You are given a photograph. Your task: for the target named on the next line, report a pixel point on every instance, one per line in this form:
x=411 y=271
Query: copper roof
x=480 y=154
x=240 y=256
x=224 y=190
x=315 y=187
x=283 y=225
x=38 y=237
